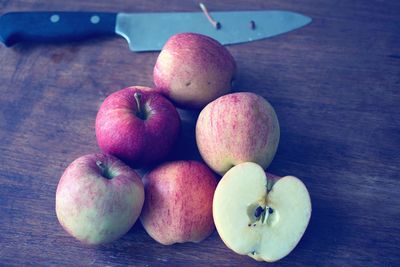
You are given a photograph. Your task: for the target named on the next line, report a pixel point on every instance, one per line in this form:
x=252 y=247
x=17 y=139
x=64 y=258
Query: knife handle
x=54 y=26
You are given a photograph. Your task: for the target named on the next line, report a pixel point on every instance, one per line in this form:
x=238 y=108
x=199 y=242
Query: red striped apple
x=137 y=125
x=236 y=128
x=98 y=199
x=178 y=202
x=260 y=215
x=194 y=69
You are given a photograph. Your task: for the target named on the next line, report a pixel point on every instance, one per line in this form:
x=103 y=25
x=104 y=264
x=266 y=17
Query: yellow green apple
x=98 y=198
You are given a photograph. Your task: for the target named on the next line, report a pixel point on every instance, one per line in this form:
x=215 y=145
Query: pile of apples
x=100 y=196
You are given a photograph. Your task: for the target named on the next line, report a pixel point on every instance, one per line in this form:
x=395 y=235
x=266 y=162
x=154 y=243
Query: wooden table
x=335 y=85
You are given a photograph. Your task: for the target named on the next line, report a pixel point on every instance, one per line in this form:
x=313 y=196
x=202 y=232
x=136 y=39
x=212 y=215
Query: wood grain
x=335 y=85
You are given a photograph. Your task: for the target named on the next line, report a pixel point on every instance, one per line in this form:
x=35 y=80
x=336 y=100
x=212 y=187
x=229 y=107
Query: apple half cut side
x=261 y=216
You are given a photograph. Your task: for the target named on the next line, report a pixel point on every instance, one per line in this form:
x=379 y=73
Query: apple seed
x=258 y=212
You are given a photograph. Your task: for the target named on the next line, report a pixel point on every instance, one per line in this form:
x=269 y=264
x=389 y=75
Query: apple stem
x=215 y=23
x=267 y=212
x=269 y=185
x=105 y=172
x=138 y=97
x=264 y=215
x=100 y=164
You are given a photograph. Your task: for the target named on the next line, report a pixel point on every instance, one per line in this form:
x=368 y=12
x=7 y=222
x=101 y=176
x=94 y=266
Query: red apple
x=178 y=202
x=193 y=69
x=98 y=199
x=137 y=125
x=237 y=128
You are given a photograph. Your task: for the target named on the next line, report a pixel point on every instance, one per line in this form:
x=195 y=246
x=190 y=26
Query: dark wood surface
x=335 y=85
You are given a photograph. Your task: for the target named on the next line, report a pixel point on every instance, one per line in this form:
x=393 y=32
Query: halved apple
x=260 y=215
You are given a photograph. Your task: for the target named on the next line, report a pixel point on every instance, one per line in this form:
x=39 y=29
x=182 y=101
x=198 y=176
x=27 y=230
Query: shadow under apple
x=185 y=147
x=317 y=163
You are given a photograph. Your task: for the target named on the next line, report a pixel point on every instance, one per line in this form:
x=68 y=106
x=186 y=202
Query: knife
x=146 y=31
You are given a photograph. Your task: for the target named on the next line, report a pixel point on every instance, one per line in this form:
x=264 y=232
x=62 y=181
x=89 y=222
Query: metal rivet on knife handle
x=213 y=22
x=94 y=19
x=55 y=18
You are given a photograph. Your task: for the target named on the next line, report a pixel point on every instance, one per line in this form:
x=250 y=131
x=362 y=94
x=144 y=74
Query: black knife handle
x=54 y=26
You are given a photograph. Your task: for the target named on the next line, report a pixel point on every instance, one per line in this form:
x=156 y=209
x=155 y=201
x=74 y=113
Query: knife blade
x=146 y=31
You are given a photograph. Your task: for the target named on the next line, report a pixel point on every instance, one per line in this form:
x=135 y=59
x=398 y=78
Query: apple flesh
x=137 y=125
x=178 y=202
x=194 y=69
x=236 y=128
x=260 y=217
x=98 y=199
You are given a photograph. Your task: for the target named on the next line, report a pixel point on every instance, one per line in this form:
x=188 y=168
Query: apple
x=237 y=128
x=98 y=199
x=193 y=69
x=258 y=216
x=178 y=202
x=137 y=125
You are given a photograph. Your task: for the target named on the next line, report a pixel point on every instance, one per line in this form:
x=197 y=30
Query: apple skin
x=178 y=203
x=193 y=69
x=94 y=208
x=138 y=142
x=236 y=128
